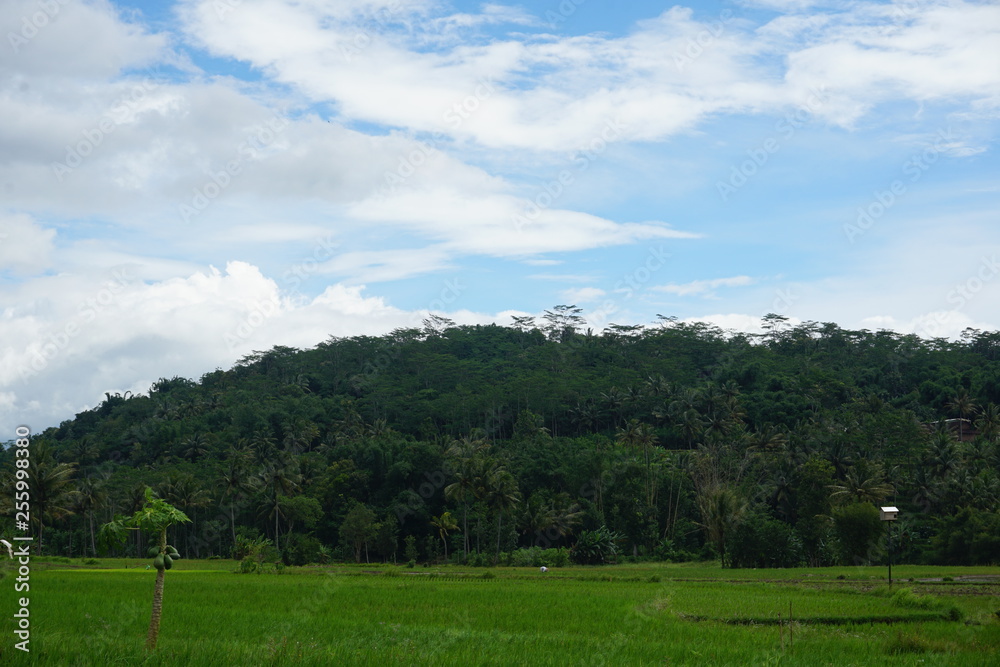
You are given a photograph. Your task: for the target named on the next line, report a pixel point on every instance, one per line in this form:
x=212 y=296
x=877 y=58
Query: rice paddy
x=622 y=615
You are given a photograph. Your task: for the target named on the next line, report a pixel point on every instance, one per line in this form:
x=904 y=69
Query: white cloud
x=70 y=338
x=559 y=93
x=921 y=52
x=24 y=245
x=583 y=295
x=71 y=39
x=703 y=287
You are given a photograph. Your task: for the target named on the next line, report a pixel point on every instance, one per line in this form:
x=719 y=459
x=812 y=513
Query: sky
x=182 y=183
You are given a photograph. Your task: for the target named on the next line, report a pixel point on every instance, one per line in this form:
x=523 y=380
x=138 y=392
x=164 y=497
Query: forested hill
x=674 y=441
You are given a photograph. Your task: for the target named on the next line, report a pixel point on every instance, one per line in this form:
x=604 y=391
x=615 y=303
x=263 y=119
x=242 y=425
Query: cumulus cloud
x=70 y=338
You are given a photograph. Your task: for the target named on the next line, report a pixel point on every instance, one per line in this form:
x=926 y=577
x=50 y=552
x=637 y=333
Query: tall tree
x=53 y=494
x=237 y=482
x=444 y=524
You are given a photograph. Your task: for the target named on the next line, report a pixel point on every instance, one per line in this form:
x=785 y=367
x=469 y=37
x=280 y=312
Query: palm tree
x=300 y=435
x=91 y=496
x=863 y=484
x=467 y=455
x=53 y=494
x=236 y=480
x=636 y=436
x=962 y=405
x=722 y=510
x=194 y=447
x=988 y=422
x=941 y=456
x=187 y=493
x=276 y=481
x=501 y=495
x=445 y=524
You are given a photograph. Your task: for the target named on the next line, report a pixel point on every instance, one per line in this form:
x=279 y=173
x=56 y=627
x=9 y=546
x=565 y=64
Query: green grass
x=376 y=615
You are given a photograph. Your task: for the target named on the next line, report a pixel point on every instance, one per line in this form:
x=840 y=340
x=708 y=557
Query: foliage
x=594 y=547
x=762 y=541
x=970 y=537
x=858 y=529
x=527 y=435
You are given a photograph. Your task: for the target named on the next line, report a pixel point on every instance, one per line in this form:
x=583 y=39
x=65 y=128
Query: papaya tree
x=154 y=518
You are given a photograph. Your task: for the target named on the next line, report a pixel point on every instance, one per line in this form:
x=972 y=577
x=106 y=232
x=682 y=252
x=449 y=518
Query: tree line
x=672 y=441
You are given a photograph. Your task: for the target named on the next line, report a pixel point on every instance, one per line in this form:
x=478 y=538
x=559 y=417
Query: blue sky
x=185 y=182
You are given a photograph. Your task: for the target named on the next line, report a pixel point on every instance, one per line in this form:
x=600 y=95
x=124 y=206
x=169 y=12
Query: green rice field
x=650 y=614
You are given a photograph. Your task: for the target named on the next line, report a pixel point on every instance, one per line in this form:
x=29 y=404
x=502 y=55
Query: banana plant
x=155 y=517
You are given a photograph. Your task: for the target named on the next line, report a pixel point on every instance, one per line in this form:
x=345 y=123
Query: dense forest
x=492 y=444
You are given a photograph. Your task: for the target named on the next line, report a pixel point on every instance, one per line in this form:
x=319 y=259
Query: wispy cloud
x=704 y=288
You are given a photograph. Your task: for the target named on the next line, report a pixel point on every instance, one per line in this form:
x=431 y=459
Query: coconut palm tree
x=467 y=456
x=52 y=493
x=91 y=496
x=502 y=495
x=863 y=484
x=722 y=510
x=187 y=493
x=962 y=405
x=988 y=422
x=445 y=524
x=237 y=480
x=277 y=480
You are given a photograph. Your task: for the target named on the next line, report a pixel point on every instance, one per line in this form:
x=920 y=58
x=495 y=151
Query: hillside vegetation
x=531 y=443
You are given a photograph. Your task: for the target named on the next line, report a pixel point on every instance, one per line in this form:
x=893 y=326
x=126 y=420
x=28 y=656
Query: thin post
x=791 y=640
x=889 y=526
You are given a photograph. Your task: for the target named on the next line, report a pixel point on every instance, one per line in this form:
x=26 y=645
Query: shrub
x=302 y=549
x=526 y=557
x=596 y=546
x=762 y=541
x=858 y=529
x=558 y=557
